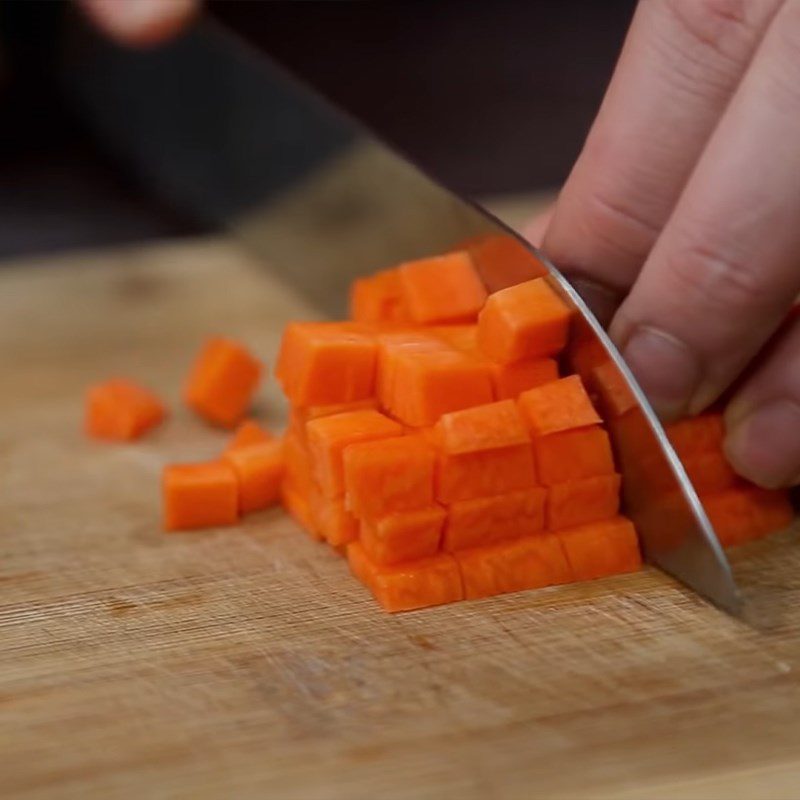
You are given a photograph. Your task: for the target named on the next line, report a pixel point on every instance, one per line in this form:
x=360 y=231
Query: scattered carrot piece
x=503 y=261
x=487 y=520
x=259 y=471
x=601 y=548
x=121 y=410
x=570 y=455
x=378 y=298
x=249 y=432
x=442 y=289
x=525 y=321
x=582 y=501
x=222 y=381
x=485 y=427
x=558 y=406
x=404 y=536
x=747 y=512
x=509 y=380
x=199 y=495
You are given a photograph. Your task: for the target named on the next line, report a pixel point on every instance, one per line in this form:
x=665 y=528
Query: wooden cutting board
x=248 y=663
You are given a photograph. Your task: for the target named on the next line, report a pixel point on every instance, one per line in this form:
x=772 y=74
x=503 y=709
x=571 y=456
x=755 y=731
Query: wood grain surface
x=247 y=663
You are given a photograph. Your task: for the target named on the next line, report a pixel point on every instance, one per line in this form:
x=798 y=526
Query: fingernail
x=764 y=446
x=666 y=369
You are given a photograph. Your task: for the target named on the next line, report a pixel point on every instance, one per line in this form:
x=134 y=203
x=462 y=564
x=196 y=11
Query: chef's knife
x=191 y=119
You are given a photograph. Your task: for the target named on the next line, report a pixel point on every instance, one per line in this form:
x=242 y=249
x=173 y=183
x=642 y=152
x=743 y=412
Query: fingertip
x=140 y=23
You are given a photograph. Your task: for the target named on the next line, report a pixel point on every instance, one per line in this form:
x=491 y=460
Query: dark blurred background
x=492 y=98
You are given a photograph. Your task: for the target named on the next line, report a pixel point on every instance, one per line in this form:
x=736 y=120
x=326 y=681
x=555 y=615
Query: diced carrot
x=612 y=389
x=297 y=462
x=503 y=261
x=442 y=289
x=569 y=455
x=558 y=406
x=382 y=477
x=199 y=495
x=121 y=410
x=259 y=472
x=314 y=412
x=527 y=563
x=249 y=432
x=337 y=525
x=321 y=363
x=585 y=351
x=486 y=520
x=601 y=548
x=747 y=512
x=298 y=506
x=403 y=536
x=525 y=321
x=329 y=436
x=462 y=337
x=710 y=472
x=222 y=381
x=485 y=427
x=582 y=501
x=696 y=434
x=509 y=380
x=378 y=298
x=468 y=475
x=359 y=563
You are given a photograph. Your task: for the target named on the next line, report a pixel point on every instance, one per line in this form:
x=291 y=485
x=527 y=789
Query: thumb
x=139 y=22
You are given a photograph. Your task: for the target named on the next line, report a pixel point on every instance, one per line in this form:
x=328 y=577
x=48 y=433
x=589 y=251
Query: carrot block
x=528 y=563
x=509 y=380
x=569 y=455
x=503 y=261
x=259 y=471
x=614 y=394
x=297 y=463
x=314 y=412
x=121 y=410
x=558 y=406
x=468 y=475
x=696 y=434
x=321 y=363
x=404 y=536
x=525 y=321
x=360 y=564
x=378 y=298
x=336 y=524
x=485 y=427
x=222 y=381
x=748 y=512
x=249 y=432
x=710 y=472
x=461 y=337
x=382 y=477
x=442 y=289
x=199 y=495
x=329 y=436
x=487 y=520
x=582 y=501
x=298 y=506
x=601 y=548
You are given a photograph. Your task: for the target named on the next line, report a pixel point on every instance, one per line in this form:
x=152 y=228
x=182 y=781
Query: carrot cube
x=747 y=512
x=360 y=564
x=525 y=321
x=382 y=477
x=468 y=475
x=336 y=524
x=442 y=289
x=199 y=495
x=259 y=471
x=314 y=412
x=503 y=261
x=486 y=520
x=528 y=563
x=298 y=506
x=615 y=396
x=601 y=548
x=321 y=363
x=582 y=501
x=509 y=380
x=222 y=382
x=558 y=406
x=121 y=410
x=569 y=455
x=710 y=472
x=329 y=436
x=696 y=434
x=378 y=298
x=249 y=432
x=485 y=427
x=462 y=337
x=404 y=536
x=297 y=462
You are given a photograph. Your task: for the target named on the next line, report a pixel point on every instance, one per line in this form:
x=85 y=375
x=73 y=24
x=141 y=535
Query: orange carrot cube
x=404 y=536
x=382 y=477
x=710 y=472
x=336 y=524
x=121 y=410
x=601 y=548
x=509 y=380
x=513 y=566
x=297 y=462
x=487 y=520
x=442 y=289
x=558 y=406
x=696 y=434
x=468 y=475
x=525 y=321
x=329 y=436
x=199 y=495
x=582 y=501
x=222 y=382
x=378 y=298
x=314 y=412
x=259 y=472
x=503 y=261
x=297 y=505
x=570 y=455
x=321 y=363
x=249 y=432
x=484 y=427
x=747 y=512
x=612 y=389
x=463 y=338
x=360 y=564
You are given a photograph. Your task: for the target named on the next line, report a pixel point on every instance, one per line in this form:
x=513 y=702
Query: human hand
x=139 y=22
x=685 y=201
